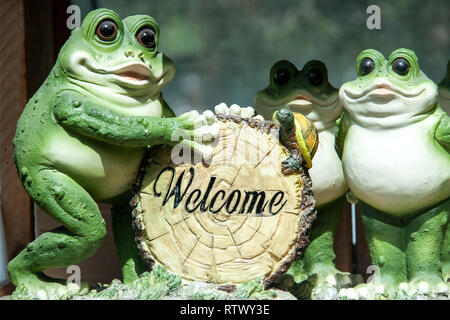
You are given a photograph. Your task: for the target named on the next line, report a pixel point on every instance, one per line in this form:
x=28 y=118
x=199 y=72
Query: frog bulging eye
x=146 y=37
x=366 y=66
x=400 y=66
x=282 y=77
x=315 y=77
x=106 y=30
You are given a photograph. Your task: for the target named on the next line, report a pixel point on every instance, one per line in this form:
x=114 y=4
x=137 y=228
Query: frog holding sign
x=394 y=140
x=81 y=139
x=307 y=92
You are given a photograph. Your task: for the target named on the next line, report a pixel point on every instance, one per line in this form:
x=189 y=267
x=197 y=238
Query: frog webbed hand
x=74 y=112
x=198 y=133
x=442 y=133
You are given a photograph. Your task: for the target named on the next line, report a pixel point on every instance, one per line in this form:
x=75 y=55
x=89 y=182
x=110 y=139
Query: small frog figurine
x=81 y=139
x=444 y=102
x=307 y=92
x=394 y=140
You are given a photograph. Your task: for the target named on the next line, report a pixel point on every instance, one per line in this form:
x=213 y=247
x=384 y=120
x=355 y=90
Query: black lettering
x=213 y=201
x=189 y=198
x=261 y=204
x=230 y=200
x=271 y=203
x=203 y=206
x=158 y=194
x=176 y=191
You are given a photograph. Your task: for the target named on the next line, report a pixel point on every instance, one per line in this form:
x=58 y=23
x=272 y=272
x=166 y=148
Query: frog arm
x=74 y=112
x=343 y=123
x=442 y=133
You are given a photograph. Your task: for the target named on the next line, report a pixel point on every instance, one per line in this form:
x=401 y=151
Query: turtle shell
x=307 y=137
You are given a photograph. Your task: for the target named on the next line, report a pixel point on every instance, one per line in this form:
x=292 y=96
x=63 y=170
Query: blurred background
x=223 y=50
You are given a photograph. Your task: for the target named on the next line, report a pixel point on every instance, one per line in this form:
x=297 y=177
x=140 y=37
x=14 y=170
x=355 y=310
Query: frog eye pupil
x=366 y=66
x=107 y=30
x=400 y=66
x=282 y=76
x=146 y=37
x=315 y=77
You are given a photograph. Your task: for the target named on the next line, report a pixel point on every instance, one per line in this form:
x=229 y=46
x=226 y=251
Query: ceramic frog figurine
x=394 y=139
x=444 y=91
x=309 y=93
x=444 y=102
x=81 y=139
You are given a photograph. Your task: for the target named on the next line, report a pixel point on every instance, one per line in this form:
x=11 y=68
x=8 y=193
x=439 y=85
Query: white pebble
x=235 y=110
x=221 y=109
x=259 y=117
x=403 y=286
x=363 y=292
x=423 y=287
x=331 y=280
x=352 y=294
x=379 y=289
x=441 y=288
x=247 y=112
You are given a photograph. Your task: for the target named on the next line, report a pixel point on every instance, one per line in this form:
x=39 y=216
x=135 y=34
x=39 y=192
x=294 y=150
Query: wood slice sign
x=232 y=220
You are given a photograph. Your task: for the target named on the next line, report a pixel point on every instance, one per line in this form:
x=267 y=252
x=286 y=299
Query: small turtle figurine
x=300 y=137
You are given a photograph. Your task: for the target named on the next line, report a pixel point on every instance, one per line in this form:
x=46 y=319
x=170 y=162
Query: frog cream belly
x=394 y=141
x=81 y=138
x=326 y=173
x=417 y=170
x=104 y=171
x=308 y=92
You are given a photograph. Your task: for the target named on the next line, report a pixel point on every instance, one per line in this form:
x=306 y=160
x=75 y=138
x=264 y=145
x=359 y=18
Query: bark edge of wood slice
x=179 y=228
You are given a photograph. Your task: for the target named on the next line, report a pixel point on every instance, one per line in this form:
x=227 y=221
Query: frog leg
x=385 y=239
x=442 y=136
x=319 y=256
x=124 y=236
x=82 y=233
x=445 y=255
x=318 y=259
x=425 y=245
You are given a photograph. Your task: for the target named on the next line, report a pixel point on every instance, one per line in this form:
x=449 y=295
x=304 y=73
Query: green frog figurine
x=444 y=102
x=394 y=140
x=82 y=137
x=308 y=92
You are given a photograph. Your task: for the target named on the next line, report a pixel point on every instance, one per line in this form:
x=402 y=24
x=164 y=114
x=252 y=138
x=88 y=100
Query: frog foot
x=46 y=288
x=423 y=288
x=292 y=164
x=365 y=291
x=325 y=283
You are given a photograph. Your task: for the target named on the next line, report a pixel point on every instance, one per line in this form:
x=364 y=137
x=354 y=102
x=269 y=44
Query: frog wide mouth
x=131 y=74
x=382 y=89
x=305 y=99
